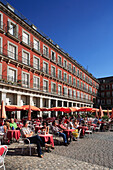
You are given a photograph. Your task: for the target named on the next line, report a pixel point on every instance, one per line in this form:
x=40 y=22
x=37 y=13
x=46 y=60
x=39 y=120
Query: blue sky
x=83 y=28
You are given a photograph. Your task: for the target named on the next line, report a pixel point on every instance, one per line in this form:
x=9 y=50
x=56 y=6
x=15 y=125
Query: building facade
x=105 y=93
x=36 y=71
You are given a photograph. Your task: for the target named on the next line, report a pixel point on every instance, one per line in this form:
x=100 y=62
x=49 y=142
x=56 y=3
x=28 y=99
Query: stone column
x=62 y=105
x=56 y=106
x=18 y=104
x=49 y=106
x=41 y=105
x=3 y=97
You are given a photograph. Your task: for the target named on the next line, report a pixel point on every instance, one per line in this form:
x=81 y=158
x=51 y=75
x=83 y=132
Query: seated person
x=27 y=133
x=13 y=124
x=76 y=123
x=57 y=130
x=70 y=124
x=45 y=127
x=61 y=126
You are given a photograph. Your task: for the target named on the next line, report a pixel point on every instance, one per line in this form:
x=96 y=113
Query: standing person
x=27 y=133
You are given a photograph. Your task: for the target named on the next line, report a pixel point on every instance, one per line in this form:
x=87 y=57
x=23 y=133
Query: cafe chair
x=3 y=151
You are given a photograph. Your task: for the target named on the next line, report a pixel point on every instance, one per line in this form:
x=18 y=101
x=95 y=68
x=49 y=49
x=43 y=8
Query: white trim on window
x=47 y=50
x=14 y=23
x=34 y=56
x=14 y=46
x=28 y=78
x=58 y=59
x=0 y=70
x=28 y=36
x=12 y=68
x=66 y=63
x=1 y=20
x=58 y=73
x=33 y=81
x=52 y=83
x=28 y=54
x=54 y=55
x=47 y=66
x=51 y=70
x=33 y=43
x=1 y=48
x=43 y=85
x=59 y=93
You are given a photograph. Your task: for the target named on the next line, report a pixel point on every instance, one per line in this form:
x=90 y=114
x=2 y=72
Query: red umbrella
x=34 y=108
x=85 y=109
x=3 y=113
x=63 y=109
x=101 y=114
x=13 y=108
x=29 y=113
x=44 y=109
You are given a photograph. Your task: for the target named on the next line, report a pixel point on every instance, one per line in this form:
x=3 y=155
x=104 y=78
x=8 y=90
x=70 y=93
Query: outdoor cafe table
x=13 y=134
x=47 y=138
x=68 y=132
x=84 y=128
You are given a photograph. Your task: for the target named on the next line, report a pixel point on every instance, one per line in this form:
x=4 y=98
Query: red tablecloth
x=2 y=149
x=13 y=134
x=48 y=137
x=83 y=129
x=68 y=132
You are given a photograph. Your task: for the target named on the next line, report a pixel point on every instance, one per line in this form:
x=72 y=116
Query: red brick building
x=105 y=93
x=34 y=70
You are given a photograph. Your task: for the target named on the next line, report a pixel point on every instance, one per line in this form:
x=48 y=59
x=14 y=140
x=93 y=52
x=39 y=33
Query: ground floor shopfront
x=22 y=96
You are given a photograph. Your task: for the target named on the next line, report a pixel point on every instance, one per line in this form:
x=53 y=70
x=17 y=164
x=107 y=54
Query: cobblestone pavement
x=90 y=153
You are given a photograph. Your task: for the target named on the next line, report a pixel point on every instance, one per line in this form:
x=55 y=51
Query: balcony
x=13 y=35
x=45 y=54
x=2 y=27
x=26 y=42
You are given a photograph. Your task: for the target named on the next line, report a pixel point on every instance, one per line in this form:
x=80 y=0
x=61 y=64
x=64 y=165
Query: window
x=78 y=94
x=36 y=82
x=74 y=81
x=108 y=101
x=86 y=96
x=59 y=60
x=53 y=71
x=102 y=87
x=53 y=55
x=108 y=94
x=65 y=63
x=65 y=91
x=81 y=84
x=45 y=85
x=108 y=86
x=59 y=90
x=12 y=50
x=0 y=45
x=102 y=101
x=26 y=37
x=1 y=20
x=90 y=98
x=60 y=74
x=25 y=79
x=45 y=51
x=74 y=93
x=65 y=77
x=84 y=86
x=90 y=89
x=77 y=83
x=45 y=67
x=112 y=86
x=53 y=87
x=84 y=76
x=70 y=92
x=102 y=94
x=70 y=79
x=81 y=75
x=12 y=74
x=36 y=62
x=36 y=44
x=0 y=70
x=77 y=72
x=12 y=28
x=69 y=66
x=81 y=95
x=26 y=57
x=74 y=69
